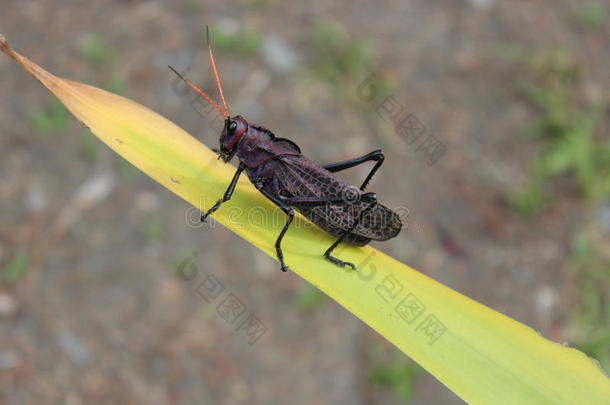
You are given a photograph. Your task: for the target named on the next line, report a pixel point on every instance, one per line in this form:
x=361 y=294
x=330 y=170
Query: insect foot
x=371 y=200
x=212 y=210
x=340 y=262
x=205 y=215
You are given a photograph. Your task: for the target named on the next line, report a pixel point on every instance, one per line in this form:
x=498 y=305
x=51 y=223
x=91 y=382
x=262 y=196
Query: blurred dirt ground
x=91 y=308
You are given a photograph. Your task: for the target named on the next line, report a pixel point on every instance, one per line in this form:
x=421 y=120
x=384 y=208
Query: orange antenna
x=222 y=95
x=201 y=93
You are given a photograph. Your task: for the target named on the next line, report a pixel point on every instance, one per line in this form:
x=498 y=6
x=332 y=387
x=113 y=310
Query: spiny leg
x=371 y=198
x=288 y=211
x=286 y=203
x=227 y=195
x=376 y=155
x=319 y=201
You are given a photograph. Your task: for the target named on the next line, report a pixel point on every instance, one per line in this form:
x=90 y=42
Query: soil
x=99 y=315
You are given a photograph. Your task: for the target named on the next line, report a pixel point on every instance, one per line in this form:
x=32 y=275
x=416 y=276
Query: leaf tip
x=5 y=47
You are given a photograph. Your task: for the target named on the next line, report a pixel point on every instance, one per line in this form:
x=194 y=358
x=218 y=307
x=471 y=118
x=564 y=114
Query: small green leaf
x=14 y=270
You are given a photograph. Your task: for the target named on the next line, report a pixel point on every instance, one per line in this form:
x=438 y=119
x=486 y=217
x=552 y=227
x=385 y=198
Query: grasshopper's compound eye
x=232 y=126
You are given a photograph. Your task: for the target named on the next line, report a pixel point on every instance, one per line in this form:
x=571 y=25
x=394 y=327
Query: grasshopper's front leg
x=227 y=195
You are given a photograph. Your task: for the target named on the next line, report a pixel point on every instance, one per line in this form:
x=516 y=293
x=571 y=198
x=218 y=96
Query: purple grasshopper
x=278 y=169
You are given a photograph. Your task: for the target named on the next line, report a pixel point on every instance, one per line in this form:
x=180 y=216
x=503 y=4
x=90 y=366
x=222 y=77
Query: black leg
x=376 y=155
x=371 y=198
x=227 y=195
x=288 y=211
x=286 y=203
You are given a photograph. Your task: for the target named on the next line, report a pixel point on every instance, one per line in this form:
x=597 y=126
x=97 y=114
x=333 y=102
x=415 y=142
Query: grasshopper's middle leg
x=288 y=210
x=371 y=198
x=286 y=204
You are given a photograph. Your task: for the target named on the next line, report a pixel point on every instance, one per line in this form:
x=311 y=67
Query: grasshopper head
x=235 y=127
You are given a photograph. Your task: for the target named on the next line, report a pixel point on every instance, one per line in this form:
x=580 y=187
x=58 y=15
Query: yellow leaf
x=480 y=354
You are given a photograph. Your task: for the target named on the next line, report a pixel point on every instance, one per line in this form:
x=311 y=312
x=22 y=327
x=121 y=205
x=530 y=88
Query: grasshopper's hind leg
x=376 y=155
x=286 y=203
x=366 y=197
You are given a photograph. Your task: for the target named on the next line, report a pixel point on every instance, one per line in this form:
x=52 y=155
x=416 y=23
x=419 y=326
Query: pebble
x=545 y=298
x=279 y=55
x=36 y=200
x=74 y=347
x=8 y=304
